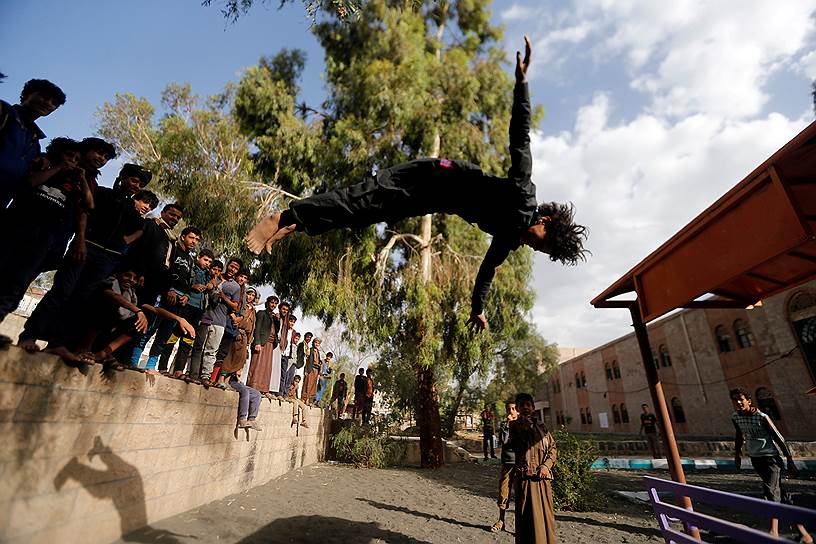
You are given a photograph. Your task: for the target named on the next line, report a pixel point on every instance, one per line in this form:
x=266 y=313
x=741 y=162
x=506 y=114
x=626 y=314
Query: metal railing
x=762 y=509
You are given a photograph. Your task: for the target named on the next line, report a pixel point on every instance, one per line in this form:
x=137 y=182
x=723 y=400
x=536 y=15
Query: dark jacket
x=266 y=326
x=340 y=389
x=112 y=218
x=360 y=385
x=182 y=266
x=301 y=355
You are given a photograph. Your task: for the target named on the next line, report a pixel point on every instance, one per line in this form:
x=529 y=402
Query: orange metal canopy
x=755 y=241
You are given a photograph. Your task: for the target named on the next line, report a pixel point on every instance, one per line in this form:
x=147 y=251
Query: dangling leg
x=262 y=232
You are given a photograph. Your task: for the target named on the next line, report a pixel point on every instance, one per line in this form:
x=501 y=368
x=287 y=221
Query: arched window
x=802 y=311
x=624 y=413
x=577 y=381
x=589 y=417
x=677 y=411
x=583 y=379
x=615 y=369
x=745 y=338
x=615 y=414
x=723 y=339
x=665 y=358
x=766 y=403
x=583 y=417
x=608 y=371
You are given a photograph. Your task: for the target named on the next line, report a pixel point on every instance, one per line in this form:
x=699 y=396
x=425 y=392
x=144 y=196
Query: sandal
x=497 y=527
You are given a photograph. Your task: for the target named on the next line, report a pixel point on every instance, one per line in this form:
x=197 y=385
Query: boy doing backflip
x=503 y=207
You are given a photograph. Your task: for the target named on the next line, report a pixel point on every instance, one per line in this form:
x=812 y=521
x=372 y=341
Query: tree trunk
x=428 y=418
x=450 y=422
x=431 y=450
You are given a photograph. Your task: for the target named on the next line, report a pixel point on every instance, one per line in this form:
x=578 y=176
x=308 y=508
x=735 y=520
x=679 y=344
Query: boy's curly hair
x=566 y=238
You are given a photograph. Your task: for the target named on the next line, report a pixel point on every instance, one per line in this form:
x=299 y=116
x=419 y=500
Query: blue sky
x=653 y=109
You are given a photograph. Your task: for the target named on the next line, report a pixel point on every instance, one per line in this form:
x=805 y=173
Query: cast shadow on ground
x=404 y=510
x=122 y=484
x=326 y=530
x=624 y=527
x=460 y=476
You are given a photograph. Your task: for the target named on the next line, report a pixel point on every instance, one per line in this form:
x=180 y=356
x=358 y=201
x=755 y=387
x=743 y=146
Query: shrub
x=366 y=448
x=573 y=481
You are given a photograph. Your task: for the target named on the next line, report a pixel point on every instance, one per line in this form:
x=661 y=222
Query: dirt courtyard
x=330 y=503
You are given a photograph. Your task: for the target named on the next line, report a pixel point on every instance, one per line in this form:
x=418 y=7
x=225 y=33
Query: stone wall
x=87 y=458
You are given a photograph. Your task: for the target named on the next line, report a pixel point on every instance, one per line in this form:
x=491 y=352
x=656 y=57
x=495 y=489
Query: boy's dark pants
x=193 y=316
x=58 y=316
x=770 y=469
x=487 y=440
x=36 y=249
x=407 y=190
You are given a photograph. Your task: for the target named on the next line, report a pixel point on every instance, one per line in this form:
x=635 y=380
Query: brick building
x=769 y=350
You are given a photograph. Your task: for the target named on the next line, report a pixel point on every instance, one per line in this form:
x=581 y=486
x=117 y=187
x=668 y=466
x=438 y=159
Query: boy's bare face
x=215 y=271
x=131 y=185
x=40 y=103
x=96 y=158
x=127 y=280
x=204 y=261
x=71 y=158
x=742 y=403
x=190 y=241
x=536 y=237
x=142 y=207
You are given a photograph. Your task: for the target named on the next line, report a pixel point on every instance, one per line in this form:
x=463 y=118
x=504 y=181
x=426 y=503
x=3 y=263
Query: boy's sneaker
x=252 y=424
x=243 y=424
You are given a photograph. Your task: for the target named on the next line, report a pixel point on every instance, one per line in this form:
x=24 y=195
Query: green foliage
x=233 y=9
x=573 y=481
x=366 y=447
x=197 y=154
x=398 y=89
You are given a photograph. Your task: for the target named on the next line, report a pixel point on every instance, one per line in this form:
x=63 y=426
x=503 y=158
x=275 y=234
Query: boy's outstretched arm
x=496 y=254
x=521 y=160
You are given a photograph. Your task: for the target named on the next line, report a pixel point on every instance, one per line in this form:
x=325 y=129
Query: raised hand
x=523 y=65
x=477 y=322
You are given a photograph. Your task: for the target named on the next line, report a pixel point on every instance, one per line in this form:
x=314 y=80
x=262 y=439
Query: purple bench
x=762 y=509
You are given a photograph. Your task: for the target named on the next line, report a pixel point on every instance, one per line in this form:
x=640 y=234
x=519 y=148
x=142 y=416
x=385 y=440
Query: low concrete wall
x=89 y=458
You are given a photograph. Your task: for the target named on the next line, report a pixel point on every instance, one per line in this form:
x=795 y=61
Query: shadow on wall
x=121 y=483
x=311 y=529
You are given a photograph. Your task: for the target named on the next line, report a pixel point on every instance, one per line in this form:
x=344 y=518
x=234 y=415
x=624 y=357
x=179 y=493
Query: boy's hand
x=79 y=251
x=477 y=322
x=521 y=66
x=186 y=327
x=171 y=297
x=141 y=322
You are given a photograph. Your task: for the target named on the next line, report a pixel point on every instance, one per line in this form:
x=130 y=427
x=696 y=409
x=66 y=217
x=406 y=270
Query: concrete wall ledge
x=87 y=458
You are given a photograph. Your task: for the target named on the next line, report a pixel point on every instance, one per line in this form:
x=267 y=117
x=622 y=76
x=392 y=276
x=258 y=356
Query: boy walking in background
x=764 y=445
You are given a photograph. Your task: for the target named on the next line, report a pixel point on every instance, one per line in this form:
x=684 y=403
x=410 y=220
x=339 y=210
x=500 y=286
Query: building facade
x=700 y=355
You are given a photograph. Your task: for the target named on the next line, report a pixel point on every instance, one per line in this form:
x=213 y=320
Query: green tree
x=197 y=154
x=402 y=84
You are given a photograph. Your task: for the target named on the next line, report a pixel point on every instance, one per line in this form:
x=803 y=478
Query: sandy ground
x=329 y=503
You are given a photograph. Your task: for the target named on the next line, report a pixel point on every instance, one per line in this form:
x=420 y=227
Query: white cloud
x=807 y=65
x=634 y=184
x=688 y=56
